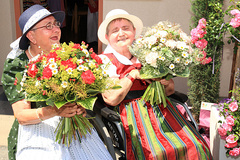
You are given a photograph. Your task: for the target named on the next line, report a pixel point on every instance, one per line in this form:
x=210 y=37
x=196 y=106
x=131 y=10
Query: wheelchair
x=107 y=123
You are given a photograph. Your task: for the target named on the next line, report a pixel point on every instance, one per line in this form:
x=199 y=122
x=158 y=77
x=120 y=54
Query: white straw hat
x=115 y=14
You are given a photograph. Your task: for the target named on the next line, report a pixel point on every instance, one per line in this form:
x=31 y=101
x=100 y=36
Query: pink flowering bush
x=197 y=38
x=229 y=129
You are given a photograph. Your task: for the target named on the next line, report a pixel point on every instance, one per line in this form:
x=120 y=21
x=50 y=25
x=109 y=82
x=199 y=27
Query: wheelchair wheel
x=102 y=132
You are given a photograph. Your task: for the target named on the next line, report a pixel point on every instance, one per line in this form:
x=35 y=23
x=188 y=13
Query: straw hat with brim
x=32 y=16
x=115 y=14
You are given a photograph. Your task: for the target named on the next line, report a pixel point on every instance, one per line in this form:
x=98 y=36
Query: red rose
x=230 y=120
x=222 y=131
x=91 y=50
x=230 y=145
x=235 y=152
x=88 y=77
x=77 y=46
x=47 y=73
x=32 y=70
x=52 y=55
x=201 y=44
x=69 y=64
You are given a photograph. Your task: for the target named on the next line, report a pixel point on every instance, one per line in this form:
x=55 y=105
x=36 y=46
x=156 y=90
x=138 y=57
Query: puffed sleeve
x=110 y=68
x=11 y=68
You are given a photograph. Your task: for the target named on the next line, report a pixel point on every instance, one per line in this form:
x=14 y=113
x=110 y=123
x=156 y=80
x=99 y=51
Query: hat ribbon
x=35 y=18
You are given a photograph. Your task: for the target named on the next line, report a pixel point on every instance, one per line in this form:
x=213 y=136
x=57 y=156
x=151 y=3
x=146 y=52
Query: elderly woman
x=33 y=130
x=148 y=135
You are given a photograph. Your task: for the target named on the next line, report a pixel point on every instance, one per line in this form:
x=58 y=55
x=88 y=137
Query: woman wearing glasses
x=32 y=135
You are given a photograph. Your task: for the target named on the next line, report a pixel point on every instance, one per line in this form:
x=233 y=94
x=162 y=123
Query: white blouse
x=37 y=142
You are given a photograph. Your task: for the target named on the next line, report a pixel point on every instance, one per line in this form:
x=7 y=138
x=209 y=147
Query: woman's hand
x=135 y=74
x=168 y=85
x=165 y=82
x=69 y=110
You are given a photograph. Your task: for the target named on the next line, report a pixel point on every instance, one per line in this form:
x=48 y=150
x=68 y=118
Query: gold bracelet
x=38 y=115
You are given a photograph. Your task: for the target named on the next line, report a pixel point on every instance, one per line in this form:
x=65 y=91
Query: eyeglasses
x=49 y=26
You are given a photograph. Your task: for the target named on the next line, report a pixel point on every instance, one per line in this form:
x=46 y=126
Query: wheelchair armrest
x=179 y=96
x=105 y=111
x=110 y=114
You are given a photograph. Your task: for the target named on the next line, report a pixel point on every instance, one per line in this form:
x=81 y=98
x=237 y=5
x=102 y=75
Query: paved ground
x=3 y=153
x=6 y=120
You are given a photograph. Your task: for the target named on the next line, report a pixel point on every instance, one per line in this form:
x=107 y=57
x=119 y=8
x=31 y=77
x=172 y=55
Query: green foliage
x=204 y=80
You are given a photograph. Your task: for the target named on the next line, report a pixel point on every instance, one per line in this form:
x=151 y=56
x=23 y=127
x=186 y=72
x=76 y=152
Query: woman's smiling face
x=120 y=34
x=46 y=38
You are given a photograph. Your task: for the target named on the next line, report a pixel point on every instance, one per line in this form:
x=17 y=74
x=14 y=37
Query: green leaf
x=50 y=102
x=185 y=73
x=169 y=76
x=60 y=104
x=116 y=87
x=87 y=103
x=93 y=91
x=70 y=97
x=36 y=98
x=168 y=52
x=155 y=73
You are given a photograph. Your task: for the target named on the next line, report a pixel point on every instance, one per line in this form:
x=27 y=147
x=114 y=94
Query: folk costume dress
x=149 y=136
x=37 y=141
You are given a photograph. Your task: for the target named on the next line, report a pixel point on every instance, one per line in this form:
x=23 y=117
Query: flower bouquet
x=69 y=73
x=230 y=126
x=165 y=51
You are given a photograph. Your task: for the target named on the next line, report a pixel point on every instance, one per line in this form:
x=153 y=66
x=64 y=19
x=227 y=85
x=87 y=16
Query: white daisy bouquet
x=69 y=73
x=164 y=51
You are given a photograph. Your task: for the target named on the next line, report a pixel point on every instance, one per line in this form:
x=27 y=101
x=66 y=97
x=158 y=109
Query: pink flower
x=201 y=44
x=222 y=131
x=230 y=120
x=230 y=145
x=202 y=23
x=198 y=32
x=235 y=22
x=227 y=127
x=235 y=12
x=235 y=152
x=206 y=60
x=231 y=139
x=202 y=58
x=233 y=106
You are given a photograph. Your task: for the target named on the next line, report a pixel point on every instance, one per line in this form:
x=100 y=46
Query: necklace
x=30 y=51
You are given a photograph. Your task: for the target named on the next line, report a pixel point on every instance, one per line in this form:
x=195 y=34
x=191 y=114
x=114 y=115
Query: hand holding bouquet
x=68 y=74
x=165 y=51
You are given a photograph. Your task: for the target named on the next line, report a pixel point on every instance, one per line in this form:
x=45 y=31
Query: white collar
x=122 y=59
x=16 y=51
